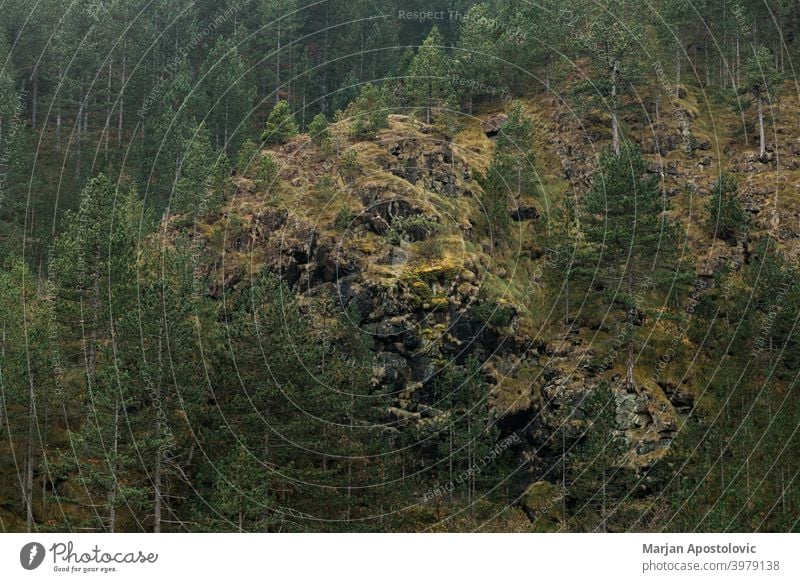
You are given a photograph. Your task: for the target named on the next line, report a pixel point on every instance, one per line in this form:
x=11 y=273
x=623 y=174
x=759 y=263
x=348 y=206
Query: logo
x=31 y=555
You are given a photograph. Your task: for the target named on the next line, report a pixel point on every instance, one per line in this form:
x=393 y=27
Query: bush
x=343 y=218
x=350 y=159
x=490 y=312
x=412 y=228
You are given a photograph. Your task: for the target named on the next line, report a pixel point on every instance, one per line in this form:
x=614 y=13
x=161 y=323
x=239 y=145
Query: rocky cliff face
x=389 y=228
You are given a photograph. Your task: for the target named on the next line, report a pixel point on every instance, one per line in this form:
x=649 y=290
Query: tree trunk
x=157 y=493
x=112 y=495
x=121 y=103
x=78 y=141
x=29 y=455
x=630 y=384
x=94 y=303
x=762 y=145
x=429 y=104
x=738 y=62
x=35 y=99
x=278 y=67
x=110 y=111
x=58 y=127
x=547 y=74
x=614 y=116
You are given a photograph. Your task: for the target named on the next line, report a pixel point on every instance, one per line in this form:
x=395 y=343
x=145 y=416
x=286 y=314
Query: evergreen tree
x=281 y=125
x=762 y=82
x=368 y=112
x=165 y=137
x=613 y=35
x=727 y=219
x=227 y=96
x=476 y=60
x=630 y=244
x=204 y=177
x=427 y=80
x=25 y=379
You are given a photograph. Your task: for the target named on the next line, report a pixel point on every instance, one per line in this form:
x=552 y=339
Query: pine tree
x=762 y=81
x=427 y=81
x=727 y=219
x=368 y=112
x=476 y=58
x=227 y=96
x=203 y=184
x=281 y=125
x=510 y=175
x=25 y=377
x=630 y=243
x=612 y=37
x=514 y=157
x=93 y=266
x=167 y=129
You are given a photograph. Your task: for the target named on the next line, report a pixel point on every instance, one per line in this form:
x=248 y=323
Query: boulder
x=492 y=126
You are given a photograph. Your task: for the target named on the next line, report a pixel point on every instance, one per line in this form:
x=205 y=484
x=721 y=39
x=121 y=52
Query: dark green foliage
x=204 y=176
x=467 y=432
x=598 y=480
x=344 y=218
x=514 y=158
x=727 y=219
x=281 y=125
x=629 y=248
x=146 y=385
x=368 y=113
x=427 y=84
x=227 y=98
x=318 y=130
x=510 y=175
x=487 y=310
x=247 y=158
x=411 y=229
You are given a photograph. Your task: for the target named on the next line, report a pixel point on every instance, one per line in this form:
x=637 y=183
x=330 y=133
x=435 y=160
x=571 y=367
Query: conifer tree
x=427 y=79
x=281 y=125
x=762 y=82
x=727 y=219
x=631 y=246
x=227 y=96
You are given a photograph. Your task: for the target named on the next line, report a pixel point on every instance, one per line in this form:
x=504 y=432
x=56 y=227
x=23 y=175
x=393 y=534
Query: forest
x=375 y=266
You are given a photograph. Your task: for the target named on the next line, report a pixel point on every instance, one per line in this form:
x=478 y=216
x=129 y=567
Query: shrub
x=343 y=218
x=411 y=228
x=490 y=312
